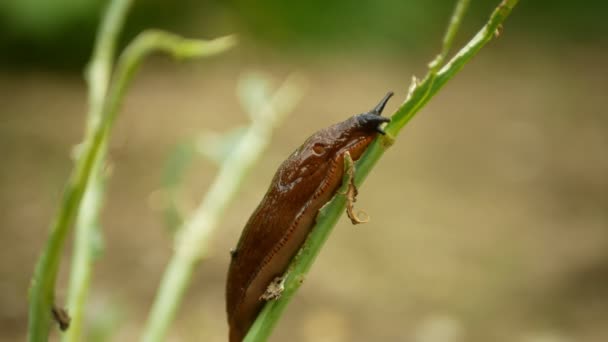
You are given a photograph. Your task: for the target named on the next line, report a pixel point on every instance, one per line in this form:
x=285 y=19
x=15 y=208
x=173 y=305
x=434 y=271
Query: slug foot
x=274 y=289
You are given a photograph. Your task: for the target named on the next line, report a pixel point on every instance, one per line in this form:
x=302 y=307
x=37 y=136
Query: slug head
x=321 y=152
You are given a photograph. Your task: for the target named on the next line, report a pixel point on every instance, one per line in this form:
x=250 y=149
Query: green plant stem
x=85 y=243
x=326 y=220
x=41 y=295
x=43 y=282
x=192 y=241
x=450 y=33
x=97 y=74
x=419 y=95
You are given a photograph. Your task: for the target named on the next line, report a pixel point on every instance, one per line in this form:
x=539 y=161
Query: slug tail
x=235 y=335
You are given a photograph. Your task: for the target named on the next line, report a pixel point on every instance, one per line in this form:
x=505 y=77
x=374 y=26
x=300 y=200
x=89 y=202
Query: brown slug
x=276 y=230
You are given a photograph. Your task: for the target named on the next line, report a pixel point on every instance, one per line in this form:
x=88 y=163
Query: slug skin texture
x=276 y=230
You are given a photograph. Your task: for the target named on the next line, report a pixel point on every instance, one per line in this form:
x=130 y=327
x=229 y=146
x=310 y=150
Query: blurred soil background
x=489 y=214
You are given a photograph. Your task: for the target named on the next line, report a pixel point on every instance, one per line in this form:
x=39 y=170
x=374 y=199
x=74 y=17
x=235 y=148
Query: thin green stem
x=146 y=43
x=43 y=282
x=41 y=295
x=193 y=238
x=450 y=33
x=97 y=74
x=85 y=249
x=419 y=95
x=429 y=79
x=418 y=98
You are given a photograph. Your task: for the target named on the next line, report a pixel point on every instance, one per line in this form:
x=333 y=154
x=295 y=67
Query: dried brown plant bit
x=351 y=197
x=274 y=289
x=498 y=31
x=60 y=315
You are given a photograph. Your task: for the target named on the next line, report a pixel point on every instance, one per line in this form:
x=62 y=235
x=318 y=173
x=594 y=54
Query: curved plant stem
x=41 y=295
x=192 y=241
x=419 y=95
x=98 y=76
x=103 y=112
x=86 y=247
x=450 y=33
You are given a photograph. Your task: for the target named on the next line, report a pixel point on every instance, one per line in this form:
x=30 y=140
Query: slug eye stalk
x=380 y=106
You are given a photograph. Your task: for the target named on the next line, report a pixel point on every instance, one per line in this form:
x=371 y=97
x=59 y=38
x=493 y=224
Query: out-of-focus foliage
x=38 y=19
x=60 y=32
x=488 y=218
x=32 y=30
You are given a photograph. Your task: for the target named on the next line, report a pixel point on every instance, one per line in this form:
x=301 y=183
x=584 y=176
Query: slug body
x=279 y=226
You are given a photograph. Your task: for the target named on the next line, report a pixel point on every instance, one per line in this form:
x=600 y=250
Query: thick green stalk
x=419 y=95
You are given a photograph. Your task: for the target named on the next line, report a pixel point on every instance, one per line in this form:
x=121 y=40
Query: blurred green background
x=489 y=215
